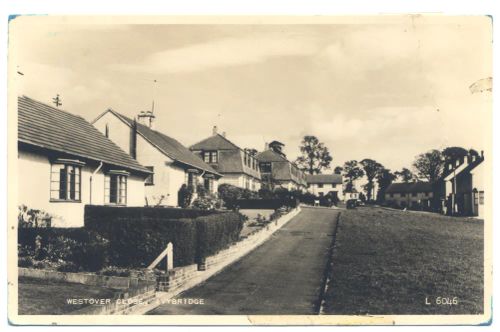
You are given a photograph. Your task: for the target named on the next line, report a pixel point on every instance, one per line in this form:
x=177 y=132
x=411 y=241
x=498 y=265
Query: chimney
x=482 y=154
x=146 y=118
x=266 y=146
x=214 y=130
x=223 y=134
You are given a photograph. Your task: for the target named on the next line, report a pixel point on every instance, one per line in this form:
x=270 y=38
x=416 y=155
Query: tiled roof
x=270 y=156
x=324 y=178
x=411 y=187
x=168 y=145
x=50 y=128
x=215 y=142
x=281 y=167
x=231 y=156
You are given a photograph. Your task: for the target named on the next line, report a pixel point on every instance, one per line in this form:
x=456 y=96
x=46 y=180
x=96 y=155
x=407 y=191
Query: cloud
x=221 y=53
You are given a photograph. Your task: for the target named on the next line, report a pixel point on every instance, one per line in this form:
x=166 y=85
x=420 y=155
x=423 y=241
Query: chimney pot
x=214 y=130
x=223 y=134
x=266 y=146
x=146 y=118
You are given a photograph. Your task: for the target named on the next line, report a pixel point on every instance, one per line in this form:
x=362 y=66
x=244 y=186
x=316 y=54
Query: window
x=414 y=194
x=213 y=156
x=150 y=180
x=115 y=188
x=210 y=156
x=391 y=195
x=334 y=185
x=320 y=185
x=481 y=198
x=265 y=167
x=403 y=195
x=321 y=194
x=65 y=181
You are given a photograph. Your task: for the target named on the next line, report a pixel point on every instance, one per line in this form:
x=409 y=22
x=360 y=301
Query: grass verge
x=396 y=262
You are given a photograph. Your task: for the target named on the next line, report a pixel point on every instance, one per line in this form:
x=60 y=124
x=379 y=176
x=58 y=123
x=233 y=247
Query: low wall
x=80 y=278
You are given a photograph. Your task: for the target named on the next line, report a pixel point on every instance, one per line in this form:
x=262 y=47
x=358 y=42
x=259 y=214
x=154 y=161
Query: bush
x=185 y=195
x=217 y=232
x=84 y=248
x=207 y=202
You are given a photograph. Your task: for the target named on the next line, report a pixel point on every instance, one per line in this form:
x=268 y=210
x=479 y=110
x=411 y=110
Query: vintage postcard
x=250 y=170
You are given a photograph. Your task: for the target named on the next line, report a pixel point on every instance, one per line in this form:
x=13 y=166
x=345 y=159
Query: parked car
x=351 y=204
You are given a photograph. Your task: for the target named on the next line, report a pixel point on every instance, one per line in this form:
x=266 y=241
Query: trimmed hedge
x=94 y=213
x=217 y=232
x=273 y=203
x=138 y=235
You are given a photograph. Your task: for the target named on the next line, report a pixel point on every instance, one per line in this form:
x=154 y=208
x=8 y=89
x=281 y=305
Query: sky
x=367 y=89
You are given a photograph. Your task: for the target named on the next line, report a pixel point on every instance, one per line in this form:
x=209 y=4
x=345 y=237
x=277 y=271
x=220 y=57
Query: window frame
x=73 y=187
x=121 y=187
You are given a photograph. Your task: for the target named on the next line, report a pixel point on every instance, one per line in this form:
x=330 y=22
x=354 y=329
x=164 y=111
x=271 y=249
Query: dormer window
x=210 y=156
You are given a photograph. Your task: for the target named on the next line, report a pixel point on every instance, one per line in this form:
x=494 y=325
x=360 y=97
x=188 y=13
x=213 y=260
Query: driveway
x=282 y=276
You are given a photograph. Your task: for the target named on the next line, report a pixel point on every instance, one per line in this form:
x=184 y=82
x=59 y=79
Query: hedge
x=217 y=232
x=138 y=235
x=273 y=203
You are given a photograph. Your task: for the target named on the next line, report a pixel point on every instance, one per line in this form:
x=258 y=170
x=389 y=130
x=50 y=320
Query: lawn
x=41 y=297
x=249 y=226
x=398 y=262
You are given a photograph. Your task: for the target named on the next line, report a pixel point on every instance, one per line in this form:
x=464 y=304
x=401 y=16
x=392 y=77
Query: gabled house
x=414 y=195
x=65 y=163
x=238 y=166
x=324 y=184
x=463 y=186
x=277 y=171
x=172 y=164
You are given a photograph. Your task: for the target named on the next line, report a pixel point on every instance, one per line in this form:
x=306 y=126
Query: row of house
x=65 y=162
x=459 y=191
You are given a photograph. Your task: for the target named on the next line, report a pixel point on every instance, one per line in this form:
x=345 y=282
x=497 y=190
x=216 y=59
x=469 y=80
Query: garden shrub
x=85 y=248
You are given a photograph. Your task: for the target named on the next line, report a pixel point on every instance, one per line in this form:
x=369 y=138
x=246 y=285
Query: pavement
x=285 y=275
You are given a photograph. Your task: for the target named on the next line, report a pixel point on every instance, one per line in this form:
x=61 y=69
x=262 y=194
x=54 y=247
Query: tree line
x=429 y=166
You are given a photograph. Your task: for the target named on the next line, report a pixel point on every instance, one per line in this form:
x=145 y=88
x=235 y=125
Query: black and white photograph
x=250 y=170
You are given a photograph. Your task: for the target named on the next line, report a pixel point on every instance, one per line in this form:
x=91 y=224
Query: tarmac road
x=282 y=276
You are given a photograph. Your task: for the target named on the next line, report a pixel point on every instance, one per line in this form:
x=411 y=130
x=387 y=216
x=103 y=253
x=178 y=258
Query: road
x=282 y=276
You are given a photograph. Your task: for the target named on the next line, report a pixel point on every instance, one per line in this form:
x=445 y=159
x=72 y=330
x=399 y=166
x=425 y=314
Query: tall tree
x=429 y=165
x=315 y=156
x=371 y=168
x=351 y=172
x=384 y=180
x=405 y=175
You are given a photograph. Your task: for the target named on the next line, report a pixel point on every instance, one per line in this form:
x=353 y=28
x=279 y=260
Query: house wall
x=168 y=175
x=479 y=184
x=119 y=132
x=327 y=187
x=34 y=189
x=407 y=199
x=168 y=178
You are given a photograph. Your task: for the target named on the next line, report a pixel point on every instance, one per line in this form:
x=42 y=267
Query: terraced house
x=172 y=164
x=238 y=167
x=278 y=171
x=65 y=163
x=415 y=195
